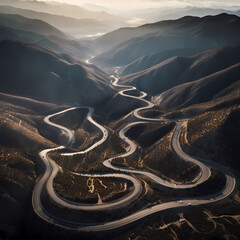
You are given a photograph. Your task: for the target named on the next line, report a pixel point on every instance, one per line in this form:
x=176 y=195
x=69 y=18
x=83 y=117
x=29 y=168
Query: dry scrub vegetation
x=214 y=135
x=155 y=153
x=217 y=221
x=20 y=143
x=89 y=190
x=17 y=177
x=91 y=162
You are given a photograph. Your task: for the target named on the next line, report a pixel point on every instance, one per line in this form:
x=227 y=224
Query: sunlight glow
x=141 y=4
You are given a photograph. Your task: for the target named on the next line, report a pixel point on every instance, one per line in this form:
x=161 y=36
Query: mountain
x=18 y=35
x=21 y=121
x=70 y=47
x=151 y=15
x=215 y=135
x=23 y=135
x=33 y=71
x=31 y=31
x=67 y=10
x=67 y=24
x=179 y=70
x=151 y=60
x=55 y=43
x=31 y=25
x=185 y=33
x=222 y=85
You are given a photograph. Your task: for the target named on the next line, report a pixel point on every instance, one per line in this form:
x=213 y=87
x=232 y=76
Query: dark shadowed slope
x=33 y=71
x=174 y=13
x=71 y=47
x=18 y=28
x=151 y=60
x=55 y=43
x=18 y=35
x=184 y=24
x=221 y=84
x=179 y=70
x=215 y=134
x=26 y=24
x=185 y=33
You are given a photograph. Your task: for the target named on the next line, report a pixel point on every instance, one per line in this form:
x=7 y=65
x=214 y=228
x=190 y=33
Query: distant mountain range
x=153 y=15
x=19 y=22
x=62 y=9
x=18 y=28
x=191 y=33
x=151 y=60
x=76 y=27
x=71 y=18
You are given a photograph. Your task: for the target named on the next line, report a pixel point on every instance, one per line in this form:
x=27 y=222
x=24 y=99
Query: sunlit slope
x=151 y=60
x=222 y=84
x=179 y=70
x=195 y=33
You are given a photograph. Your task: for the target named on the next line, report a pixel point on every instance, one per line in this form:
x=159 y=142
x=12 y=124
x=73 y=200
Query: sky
x=133 y=4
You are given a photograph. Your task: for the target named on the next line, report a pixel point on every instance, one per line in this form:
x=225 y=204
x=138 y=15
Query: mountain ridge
x=201 y=34
x=37 y=72
x=19 y=22
x=179 y=70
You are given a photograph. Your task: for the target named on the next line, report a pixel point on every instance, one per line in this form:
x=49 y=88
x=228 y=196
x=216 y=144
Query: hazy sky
x=152 y=3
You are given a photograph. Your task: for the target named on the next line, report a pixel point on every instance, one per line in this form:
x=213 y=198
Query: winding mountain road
x=51 y=170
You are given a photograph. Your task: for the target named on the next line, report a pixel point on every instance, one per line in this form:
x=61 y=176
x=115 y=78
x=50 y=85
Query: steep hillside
x=179 y=70
x=188 y=32
x=17 y=35
x=29 y=70
x=151 y=60
x=70 y=47
x=66 y=24
x=202 y=90
x=53 y=42
x=118 y=106
x=186 y=23
x=20 y=128
x=19 y=122
x=19 y=28
x=214 y=135
x=174 y=13
x=31 y=25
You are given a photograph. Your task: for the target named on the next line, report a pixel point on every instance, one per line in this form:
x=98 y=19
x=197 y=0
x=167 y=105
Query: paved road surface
x=51 y=169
